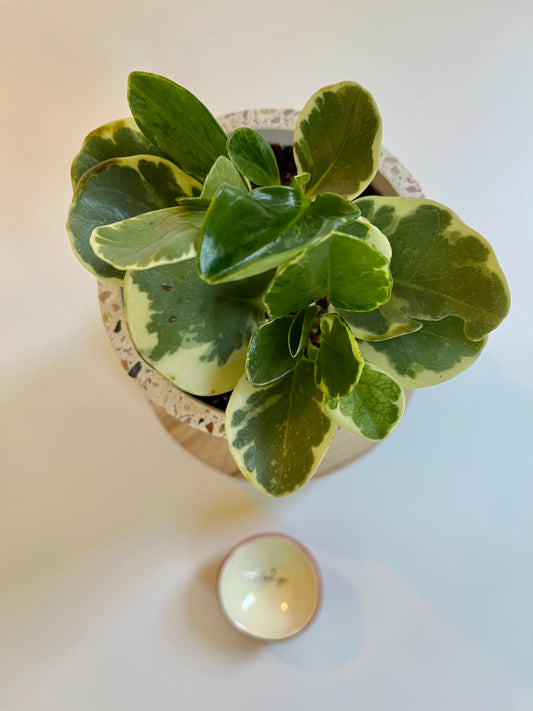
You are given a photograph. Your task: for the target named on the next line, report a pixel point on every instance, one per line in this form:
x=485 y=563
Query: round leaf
x=374 y=407
x=176 y=122
x=429 y=356
x=338 y=140
x=118 y=139
x=440 y=266
x=338 y=363
x=253 y=157
x=278 y=434
x=149 y=240
x=116 y=190
x=268 y=356
x=194 y=334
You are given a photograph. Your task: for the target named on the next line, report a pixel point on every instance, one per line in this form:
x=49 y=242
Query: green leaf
x=441 y=267
x=223 y=172
x=350 y=272
x=338 y=140
x=149 y=240
x=195 y=203
x=118 y=139
x=118 y=189
x=374 y=407
x=194 y=334
x=300 y=181
x=387 y=321
x=176 y=122
x=253 y=157
x=278 y=434
x=437 y=352
x=338 y=363
x=246 y=234
x=300 y=329
x=365 y=230
x=268 y=357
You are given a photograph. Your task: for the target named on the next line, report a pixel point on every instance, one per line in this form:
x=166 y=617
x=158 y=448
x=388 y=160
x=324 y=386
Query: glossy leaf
x=253 y=157
x=149 y=240
x=269 y=358
x=350 y=272
x=441 y=267
x=374 y=407
x=368 y=232
x=118 y=139
x=116 y=190
x=387 y=321
x=300 y=329
x=338 y=363
x=195 y=203
x=246 y=234
x=223 y=172
x=278 y=434
x=176 y=122
x=300 y=181
x=437 y=352
x=194 y=334
x=338 y=140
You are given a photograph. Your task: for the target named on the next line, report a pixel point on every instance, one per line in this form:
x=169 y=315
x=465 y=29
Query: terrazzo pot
x=199 y=427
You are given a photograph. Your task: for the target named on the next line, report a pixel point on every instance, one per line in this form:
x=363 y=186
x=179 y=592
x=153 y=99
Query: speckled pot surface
x=392 y=179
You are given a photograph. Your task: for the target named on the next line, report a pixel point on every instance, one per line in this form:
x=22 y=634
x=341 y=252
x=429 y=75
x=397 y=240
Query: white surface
x=110 y=535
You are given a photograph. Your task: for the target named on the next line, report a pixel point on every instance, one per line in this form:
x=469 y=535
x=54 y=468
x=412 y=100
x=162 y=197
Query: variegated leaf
x=269 y=358
x=253 y=157
x=338 y=364
x=435 y=353
x=118 y=139
x=194 y=334
x=365 y=230
x=301 y=327
x=374 y=407
x=149 y=240
x=278 y=433
x=300 y=181
x=349 y=271
x=387 y=321
x=176 y=122
x=441 y=267
x=246 y=234
x=223 y=172
x=338 y=140
x=118 y=189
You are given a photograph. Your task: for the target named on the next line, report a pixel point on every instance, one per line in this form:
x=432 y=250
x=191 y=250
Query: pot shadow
x=335 y=637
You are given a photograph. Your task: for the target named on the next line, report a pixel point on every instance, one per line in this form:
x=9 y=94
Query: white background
x=110 y=535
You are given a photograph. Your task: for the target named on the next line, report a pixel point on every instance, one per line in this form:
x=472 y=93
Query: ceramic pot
x=195 y=425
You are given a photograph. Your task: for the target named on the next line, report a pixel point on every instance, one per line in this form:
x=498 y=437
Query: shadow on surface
x=335 y=637
x=203 y=614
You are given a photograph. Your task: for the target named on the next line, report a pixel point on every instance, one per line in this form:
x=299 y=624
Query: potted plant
x=314 y=305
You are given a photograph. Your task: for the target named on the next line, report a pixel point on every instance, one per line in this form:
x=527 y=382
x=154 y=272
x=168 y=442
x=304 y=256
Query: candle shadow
x=335 y=637
x=199 y=607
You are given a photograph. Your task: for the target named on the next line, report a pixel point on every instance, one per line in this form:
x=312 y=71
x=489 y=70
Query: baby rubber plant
x=316 y=308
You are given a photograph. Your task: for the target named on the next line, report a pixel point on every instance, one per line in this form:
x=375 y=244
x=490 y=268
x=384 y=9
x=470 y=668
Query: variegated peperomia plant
x=314 y=307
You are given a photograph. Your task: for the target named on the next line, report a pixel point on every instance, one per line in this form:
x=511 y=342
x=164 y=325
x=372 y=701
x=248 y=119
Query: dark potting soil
x=287 y=171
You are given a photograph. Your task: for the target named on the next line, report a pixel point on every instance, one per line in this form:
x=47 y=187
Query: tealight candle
x=269 y=587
